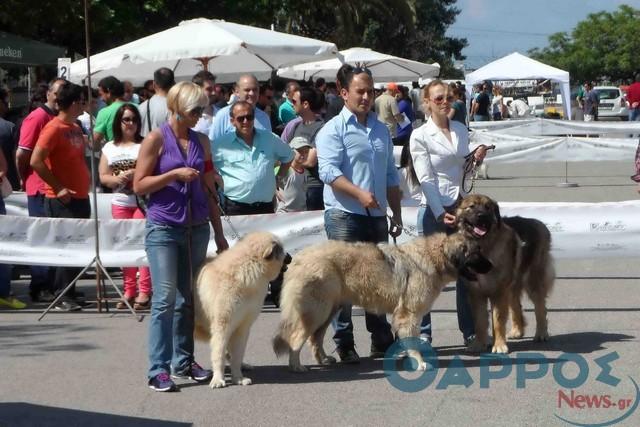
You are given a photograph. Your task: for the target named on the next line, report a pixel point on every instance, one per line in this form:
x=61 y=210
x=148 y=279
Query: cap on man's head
x=300 y=142
x=392 y=86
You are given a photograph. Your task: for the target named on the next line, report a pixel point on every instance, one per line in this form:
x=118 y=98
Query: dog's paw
x=541 y=336
x=242 y=381
x=298 y=369
x=327 y=360
x=500 y=348
x=515 y=334
x=476 y=346
x=217 y=383
x=246 y=367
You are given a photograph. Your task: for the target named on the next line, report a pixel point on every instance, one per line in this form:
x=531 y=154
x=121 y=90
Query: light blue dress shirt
x=248 y=172
x=222 y=122
x=363 y=154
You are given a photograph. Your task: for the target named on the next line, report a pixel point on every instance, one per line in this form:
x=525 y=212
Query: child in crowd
x=292 y=192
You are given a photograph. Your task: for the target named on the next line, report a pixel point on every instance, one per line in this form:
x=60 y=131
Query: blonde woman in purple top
x=175 y=170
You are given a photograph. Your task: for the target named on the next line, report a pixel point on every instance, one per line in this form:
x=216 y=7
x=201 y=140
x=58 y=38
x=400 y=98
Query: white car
x=612 y=102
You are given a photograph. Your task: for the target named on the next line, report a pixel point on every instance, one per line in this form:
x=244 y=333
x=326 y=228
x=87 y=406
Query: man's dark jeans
x=349 y=227
x=41 y=276
x=76 y=208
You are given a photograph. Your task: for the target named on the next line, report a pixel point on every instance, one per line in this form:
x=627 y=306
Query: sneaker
x=162 y=382
x=348 y=356
x=13 y=303
x=468 y=340
x=67 y=305
x=195 y=372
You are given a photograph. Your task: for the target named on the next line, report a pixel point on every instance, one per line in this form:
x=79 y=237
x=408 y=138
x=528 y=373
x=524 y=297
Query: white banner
x=579 y=230
x=535 y=126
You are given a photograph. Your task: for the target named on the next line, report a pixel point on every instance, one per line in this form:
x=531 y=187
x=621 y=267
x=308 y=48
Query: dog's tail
x=280 y=345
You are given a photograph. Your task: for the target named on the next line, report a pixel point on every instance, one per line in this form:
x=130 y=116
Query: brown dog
x=519 y=249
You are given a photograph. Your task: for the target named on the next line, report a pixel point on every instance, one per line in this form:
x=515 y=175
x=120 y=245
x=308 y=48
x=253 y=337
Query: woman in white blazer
x=438 y=149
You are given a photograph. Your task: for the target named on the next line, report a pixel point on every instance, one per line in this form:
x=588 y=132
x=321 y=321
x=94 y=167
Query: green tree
x=604 y=46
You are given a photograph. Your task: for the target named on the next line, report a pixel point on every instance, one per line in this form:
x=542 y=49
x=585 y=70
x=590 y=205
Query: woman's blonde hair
x=185 y=96
x=433 y=83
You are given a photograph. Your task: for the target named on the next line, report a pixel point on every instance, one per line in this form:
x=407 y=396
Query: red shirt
x=633 y=94
x=65 y=143
x=30 y=130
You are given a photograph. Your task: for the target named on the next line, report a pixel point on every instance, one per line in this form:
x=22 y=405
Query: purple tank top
x=169 y=204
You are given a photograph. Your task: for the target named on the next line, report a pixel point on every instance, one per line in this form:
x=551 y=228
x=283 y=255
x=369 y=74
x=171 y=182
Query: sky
x=495 y=28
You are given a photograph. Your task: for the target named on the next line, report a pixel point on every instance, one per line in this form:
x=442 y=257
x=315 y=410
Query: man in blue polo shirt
x=355 y=158
x=247 y=89
x=245 y=159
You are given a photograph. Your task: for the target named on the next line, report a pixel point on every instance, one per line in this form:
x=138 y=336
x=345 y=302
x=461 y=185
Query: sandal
x=142 y=304
x=121 y=305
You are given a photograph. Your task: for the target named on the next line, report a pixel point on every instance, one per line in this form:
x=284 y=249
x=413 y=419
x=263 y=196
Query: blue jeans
x=5 y=269
x=41 y=276
x=173 y=265
x=427 y=225
x=349 y=227
x=634 y=114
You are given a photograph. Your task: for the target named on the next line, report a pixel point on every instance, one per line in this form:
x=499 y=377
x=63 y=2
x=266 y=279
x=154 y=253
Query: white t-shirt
x=496 y=104
x=121 y=158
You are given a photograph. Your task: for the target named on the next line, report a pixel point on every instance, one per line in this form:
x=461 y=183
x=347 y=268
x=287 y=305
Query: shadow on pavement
x=39 y=339
x=25 y=414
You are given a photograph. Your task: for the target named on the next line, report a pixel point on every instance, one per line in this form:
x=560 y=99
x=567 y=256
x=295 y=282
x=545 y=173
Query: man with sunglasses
x=248 y=90
x=245 y=159
x=355 y=158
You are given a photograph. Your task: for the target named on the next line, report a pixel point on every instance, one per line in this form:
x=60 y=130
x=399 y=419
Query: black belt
x=248 y=205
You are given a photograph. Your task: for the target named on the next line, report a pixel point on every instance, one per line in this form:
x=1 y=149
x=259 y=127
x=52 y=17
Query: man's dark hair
x=68 y=94
x=346 y=72
x=240 y=104
x=320 y=82
x=112 y=86
x=291 y=87
x=314 y=97
x=265 y=87
x=117 y=122
x=203 y=76
x=163 y=78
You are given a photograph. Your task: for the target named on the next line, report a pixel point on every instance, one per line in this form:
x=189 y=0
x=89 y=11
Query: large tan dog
x=519 y=249
x=403 y=280
x=229 y=296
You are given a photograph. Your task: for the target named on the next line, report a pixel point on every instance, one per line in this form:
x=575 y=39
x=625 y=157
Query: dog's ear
x=496 y=212
x=273 y=251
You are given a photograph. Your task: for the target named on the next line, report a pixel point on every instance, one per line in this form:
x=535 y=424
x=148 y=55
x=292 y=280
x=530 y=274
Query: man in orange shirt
x=58 y=159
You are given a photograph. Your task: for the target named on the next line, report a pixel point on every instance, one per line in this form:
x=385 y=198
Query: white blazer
x=439 y=163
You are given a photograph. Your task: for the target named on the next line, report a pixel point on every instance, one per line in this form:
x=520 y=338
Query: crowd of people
x=180 y=154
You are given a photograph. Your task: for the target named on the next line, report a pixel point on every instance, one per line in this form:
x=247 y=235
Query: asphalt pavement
x=89 y=368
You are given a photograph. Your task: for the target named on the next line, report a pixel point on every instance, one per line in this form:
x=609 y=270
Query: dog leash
x=395 y=224
x=234 y=233
x=470 y=167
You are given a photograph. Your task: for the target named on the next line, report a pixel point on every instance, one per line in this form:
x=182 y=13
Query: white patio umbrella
x=224 y=48
x=384 y=68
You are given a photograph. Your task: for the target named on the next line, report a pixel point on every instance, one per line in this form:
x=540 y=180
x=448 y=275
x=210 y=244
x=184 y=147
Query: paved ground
x=89 y=368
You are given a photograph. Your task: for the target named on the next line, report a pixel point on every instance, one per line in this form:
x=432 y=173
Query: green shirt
x=104 y=121
x=286 y=112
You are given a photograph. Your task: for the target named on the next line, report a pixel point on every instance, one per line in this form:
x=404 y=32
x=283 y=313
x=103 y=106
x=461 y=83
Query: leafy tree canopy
x=413 y=29
x=604 y=46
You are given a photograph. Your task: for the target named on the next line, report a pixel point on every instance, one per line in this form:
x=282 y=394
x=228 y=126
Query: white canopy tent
x=384 y=68
x=519 y=67
x=224 y=48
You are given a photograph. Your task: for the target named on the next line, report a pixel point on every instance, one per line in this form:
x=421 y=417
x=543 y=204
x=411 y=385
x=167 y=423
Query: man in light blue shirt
x=355 y=158
x=245 y=159
x=247 y=89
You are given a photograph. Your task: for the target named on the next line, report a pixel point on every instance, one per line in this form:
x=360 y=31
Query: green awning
x=21 y=51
